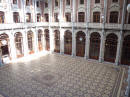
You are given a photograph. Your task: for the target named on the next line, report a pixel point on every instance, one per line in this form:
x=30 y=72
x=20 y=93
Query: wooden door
x=94 y=46
x=80 y=44
x=57 y=41
x=110 y=48
x=68 y=42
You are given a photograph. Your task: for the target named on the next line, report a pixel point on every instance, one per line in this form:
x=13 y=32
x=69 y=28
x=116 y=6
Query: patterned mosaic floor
x=60 y=76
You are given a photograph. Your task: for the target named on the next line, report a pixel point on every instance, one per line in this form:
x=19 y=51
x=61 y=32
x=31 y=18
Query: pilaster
x=35 y=41
x=102 y=47
x=119 y=47
x=120 y=38
x=73 y=44
x=25 y=43
x=62 y=41
x=51 y=40
x=73 y=34
x=12 y=46
x=87 y=44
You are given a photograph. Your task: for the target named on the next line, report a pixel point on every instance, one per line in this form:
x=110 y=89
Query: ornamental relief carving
x=114 y=7
x=97 y=7
x=81 y=9
x=68 y=10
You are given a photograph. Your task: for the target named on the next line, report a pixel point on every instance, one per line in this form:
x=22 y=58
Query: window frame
x=81 y=3
x=81 y=18
x=96 y=19
x=111 y=20
x=97 y=1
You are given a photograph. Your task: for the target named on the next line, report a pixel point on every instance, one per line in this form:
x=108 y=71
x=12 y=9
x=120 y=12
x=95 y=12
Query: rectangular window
x=97 y=1
x=38 y=17
x=67 y=2
x=96 y=17
x=27 y=2
x=81 y=16
x=46 y=17
x=38 y=4
x=16 y=17
x=114 y=1
x=28 y=17
x=113 y=17
x=56 y=17
x=14 y=1
x=46 y=4
x=81 y=1
x=68 y=17
x=56 y=2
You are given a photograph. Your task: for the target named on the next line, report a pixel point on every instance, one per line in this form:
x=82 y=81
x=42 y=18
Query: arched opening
x=47 y=38
x=4 y=47
x=30 y=42
x=94 y=46
x=125 y=59
x=57 y=41
x=80 y=44
x=68 y=42
x=19 y=44
x=40 y=40
x=110 y=48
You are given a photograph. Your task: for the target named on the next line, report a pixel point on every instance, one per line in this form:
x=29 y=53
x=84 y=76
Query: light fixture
x=4 y=42
x=80 y=38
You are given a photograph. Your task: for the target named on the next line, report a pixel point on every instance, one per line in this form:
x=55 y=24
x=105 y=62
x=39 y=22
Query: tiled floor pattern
x=60 y=76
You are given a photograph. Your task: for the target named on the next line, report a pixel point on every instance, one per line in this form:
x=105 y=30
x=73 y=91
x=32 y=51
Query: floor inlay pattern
x=60 y=76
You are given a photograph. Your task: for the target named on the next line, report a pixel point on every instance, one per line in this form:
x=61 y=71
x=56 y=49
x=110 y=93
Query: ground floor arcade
x=109 y=46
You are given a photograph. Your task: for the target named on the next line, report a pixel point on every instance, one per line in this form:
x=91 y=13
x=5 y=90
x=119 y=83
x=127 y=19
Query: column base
x=101 y=60
x=116 y=63
x=86 y=57
x=73 y=55
x=61 y=53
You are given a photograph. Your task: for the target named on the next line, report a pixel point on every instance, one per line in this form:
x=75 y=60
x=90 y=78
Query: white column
x=102 y=47
x=25 y=44
x=12 y=46
x=73 y=34
x=51 y=40
x=62 y=41
x=73 y=44
x=120 y=38
x=35 y=45
x=119 y=47
x=87 y=44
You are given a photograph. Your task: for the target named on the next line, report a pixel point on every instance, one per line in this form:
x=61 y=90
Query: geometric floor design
x=58 y=75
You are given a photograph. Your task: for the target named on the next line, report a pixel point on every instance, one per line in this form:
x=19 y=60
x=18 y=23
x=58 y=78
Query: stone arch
x=94 y=45
x=68 y=42
x=4 y=45
x=19 y=44
x=80 y=43
x=30 y=37
x=57 y=41
x=110 y=47
x=47 y=39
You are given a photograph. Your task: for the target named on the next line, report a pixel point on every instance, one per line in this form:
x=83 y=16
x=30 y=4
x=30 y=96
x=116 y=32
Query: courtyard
x=56 y=75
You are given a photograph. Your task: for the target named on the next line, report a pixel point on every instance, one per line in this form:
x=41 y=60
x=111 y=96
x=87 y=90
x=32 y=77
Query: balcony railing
x=113 y=26
x=95 y=25
x=127 y=26
x=63 y=24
